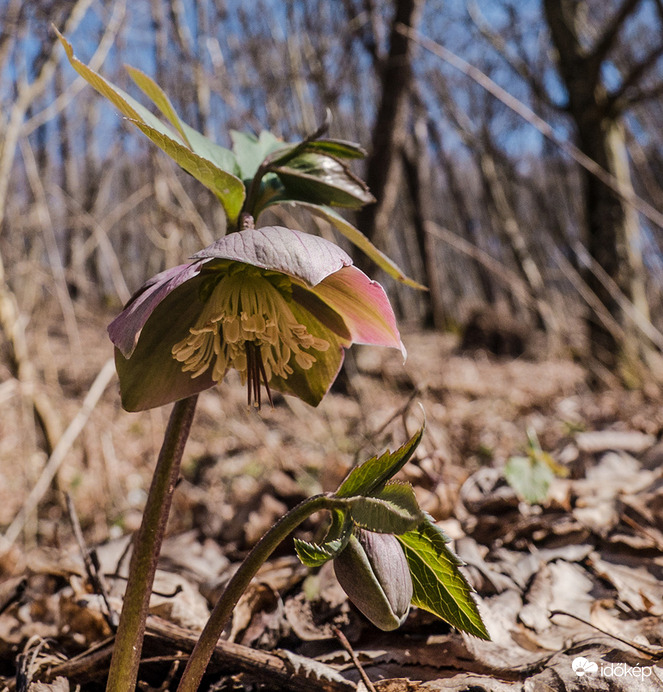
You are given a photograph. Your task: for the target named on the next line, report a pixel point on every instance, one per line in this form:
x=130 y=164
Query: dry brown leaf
x=635 y=584
x=60 y=684
x=632 y=441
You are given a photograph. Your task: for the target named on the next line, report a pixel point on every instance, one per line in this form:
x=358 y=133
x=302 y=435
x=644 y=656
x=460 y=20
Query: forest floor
x=573 y=581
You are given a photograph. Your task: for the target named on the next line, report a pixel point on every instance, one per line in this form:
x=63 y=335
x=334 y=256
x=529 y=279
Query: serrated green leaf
x=341 y=527
x=228 y=188
x=401 y=494
x=370 y=476
x=336 y=148
x=383 y=516
x=530 y=477
x=125 y=103
x=338 y=535
x=312 y=554
x=439 y=585
x=218 y=155
x=358 y=239
x=322 y=179
x=251 y=151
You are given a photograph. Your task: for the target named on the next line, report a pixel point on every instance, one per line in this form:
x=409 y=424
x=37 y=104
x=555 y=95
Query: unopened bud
x=374 y=573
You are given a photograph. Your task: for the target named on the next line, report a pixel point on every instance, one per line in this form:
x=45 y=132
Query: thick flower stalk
x=275 y=304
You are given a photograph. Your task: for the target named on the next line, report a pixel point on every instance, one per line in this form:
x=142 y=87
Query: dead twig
x=399 y=413
x=348 y=647
x=654 y=653
x=163 y=636
x=52 y=251
x=91 y=562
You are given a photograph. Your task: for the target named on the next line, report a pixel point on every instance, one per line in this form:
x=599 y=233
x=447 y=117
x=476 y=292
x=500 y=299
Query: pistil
x=255 y=375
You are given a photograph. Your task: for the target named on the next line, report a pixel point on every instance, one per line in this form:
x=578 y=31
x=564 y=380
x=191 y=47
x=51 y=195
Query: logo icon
x=581 y=666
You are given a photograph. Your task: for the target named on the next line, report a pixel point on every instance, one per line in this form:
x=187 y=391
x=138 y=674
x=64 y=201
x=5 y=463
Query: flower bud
x=373 y=571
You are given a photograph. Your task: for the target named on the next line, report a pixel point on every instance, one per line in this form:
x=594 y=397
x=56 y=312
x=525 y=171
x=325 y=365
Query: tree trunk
x=389 y=128
x=416 y=165
x=613 y=240
x=612 y=226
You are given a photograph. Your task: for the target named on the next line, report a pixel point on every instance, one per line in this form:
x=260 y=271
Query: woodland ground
x=593 y=549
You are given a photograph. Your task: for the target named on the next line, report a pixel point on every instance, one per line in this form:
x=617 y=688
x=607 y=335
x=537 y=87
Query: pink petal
x=302 y=255
x=364 y=307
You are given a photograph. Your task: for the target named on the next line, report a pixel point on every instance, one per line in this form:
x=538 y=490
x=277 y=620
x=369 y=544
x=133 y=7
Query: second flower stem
x=204 y=649
x=123 y=671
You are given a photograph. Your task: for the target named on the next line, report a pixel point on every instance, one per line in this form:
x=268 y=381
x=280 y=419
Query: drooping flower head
x=276 y=304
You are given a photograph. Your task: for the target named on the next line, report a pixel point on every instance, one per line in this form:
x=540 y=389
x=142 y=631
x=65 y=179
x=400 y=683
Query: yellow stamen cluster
x=247 y=324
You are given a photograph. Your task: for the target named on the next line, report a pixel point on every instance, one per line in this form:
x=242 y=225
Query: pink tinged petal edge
x=302 y=255
x=364 y=307
x=125 y=329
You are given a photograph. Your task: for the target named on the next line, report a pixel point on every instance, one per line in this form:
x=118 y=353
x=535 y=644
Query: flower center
x=247 y=324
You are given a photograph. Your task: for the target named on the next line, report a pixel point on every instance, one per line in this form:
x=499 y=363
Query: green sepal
x=369 y=477
x=311 y=384
x=439 y=586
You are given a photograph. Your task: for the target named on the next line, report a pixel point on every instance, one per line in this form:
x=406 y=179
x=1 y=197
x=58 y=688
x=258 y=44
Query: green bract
x=278 y=305
x=371 y=511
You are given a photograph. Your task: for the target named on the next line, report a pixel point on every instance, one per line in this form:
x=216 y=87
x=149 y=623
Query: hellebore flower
x=374 y=573
x=276 y=304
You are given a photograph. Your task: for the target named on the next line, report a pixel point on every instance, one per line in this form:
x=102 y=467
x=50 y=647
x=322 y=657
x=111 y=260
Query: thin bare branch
x=618 y=100
x=95 y=62
x=536 y=121
x=27 y=93
x=516 y=63
x=607 y=40
x=52 y=251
